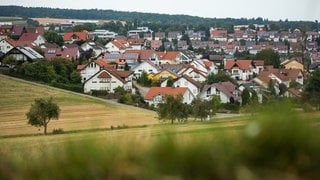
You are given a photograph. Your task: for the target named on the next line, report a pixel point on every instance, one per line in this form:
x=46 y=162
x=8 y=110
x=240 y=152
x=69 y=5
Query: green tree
x=10 y=61
x=254 y=98
x=53 y=37
x=144 y=80
x=283 y=88
x=201 y=108
x=170 y=82
x=215 y=104
x=173 y=109
x=41 y=112
x=126 y=67
x=219 y=77
x=270 y=57
x=311 y=92
x=75 y=77
x=245 y=96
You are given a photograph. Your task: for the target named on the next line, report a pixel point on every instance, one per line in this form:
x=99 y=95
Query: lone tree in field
x=41 y=112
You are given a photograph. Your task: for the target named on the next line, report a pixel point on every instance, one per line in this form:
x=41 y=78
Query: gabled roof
x=104 y=74
x=82 y=36
x=242 y=64
x=107 y=72
x=38 y=30
x=100 y=62
x=226 y=88
x=11 y=42
x=170 y=55
x=258 y=62
x=27 y=51
x=29 y=37
x=283 y=74
x=118 y=44
x=17 y=30
x=154 y=91
x=188 y=78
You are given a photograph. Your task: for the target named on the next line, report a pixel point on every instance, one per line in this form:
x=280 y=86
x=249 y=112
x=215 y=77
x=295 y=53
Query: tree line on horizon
x=146 y=18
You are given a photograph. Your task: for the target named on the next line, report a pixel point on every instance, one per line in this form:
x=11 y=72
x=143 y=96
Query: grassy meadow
x=78 y=112
x=275 y=142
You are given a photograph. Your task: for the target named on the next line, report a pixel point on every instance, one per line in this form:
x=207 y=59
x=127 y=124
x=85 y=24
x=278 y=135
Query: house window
x=208 y=92
x=217 y=91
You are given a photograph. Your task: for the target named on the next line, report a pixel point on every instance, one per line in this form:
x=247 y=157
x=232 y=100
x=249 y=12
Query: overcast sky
x=270 y=9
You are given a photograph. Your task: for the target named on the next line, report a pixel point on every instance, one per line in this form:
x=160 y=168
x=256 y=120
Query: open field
x=14 y=20
x=77 y=111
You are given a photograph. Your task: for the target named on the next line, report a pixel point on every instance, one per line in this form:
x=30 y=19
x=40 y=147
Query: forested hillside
x=145 y=18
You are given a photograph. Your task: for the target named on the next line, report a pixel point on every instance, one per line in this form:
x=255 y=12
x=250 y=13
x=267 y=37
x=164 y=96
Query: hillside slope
x=77 y=111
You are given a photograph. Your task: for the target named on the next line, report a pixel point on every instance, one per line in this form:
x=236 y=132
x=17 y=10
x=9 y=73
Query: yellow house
x=293 y=64
x=163 y=74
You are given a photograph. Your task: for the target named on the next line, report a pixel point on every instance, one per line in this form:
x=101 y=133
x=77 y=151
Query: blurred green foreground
x=277 y=142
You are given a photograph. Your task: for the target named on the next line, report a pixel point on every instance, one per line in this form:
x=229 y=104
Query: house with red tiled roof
x=17 y=31
x=227 y=92
x=205 y=65
x=108 y=79
x=188 y=82
x=31 y=39
x=219 y=34
x=70 y=37
x=156 y=44
x=241 y=69
x=88 y=70
x=7 y=44
x=159 y=35
x=117 y=46
x=279 y=76
x=147 y=66
x=169 y=57
x=135 y=43
x=193 y=72
x=52 y=50
x=156 y=95
x=38 y=30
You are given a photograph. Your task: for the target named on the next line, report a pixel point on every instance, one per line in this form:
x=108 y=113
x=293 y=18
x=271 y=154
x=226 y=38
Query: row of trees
x=174 y=109
x=152 y=20
x=59 y=72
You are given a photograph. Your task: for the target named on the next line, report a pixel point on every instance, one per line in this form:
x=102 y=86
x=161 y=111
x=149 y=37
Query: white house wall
x=96 y=83
x=89 y=71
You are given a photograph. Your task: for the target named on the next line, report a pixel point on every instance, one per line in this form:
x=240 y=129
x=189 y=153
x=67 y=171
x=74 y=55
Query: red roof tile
x=154 y=91
x=242 y=64
x=82 y=36
x=12 y=42
x=104 y=74
x=29 y=37
x=170 y=55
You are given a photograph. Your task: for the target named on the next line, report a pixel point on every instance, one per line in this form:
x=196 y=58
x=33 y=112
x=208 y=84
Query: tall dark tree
x=282 y=89
x=53 y=37
x=311 y=92
x=245 y=96
x=270 y=57
x=144 y=80
x=41 y=112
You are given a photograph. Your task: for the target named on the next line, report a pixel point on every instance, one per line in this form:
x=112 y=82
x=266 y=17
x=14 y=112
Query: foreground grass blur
x=275 y=144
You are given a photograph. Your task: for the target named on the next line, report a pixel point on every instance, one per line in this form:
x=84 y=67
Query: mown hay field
x=78 y=111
